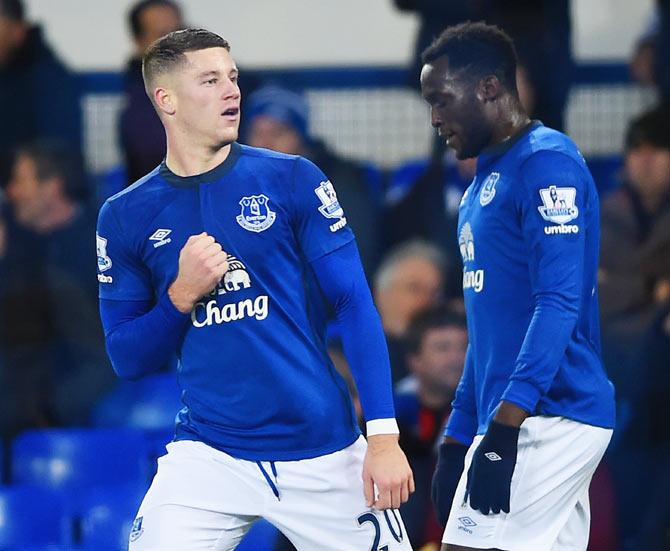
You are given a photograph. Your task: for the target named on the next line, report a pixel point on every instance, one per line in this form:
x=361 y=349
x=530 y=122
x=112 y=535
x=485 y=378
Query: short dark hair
x=433 y=317
x=650 y=128
x=135 y=14
x=12 y=9
x=168 y=51
x=480 y=48
x=55 y=159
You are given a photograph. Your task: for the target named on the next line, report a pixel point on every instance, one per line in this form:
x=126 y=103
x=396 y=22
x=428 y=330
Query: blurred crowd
x=53 y=366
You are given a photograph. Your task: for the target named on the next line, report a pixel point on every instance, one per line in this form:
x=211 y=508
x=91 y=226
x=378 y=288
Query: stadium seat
x=261 y=537
x=73 y=459
x=150 y=403
x=32 y=516
x=107 y=515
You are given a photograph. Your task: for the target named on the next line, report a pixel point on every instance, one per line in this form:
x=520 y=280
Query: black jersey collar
x=208 y=177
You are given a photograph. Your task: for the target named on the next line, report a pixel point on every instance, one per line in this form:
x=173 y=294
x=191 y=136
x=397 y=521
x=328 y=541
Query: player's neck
x=190 y=160
x=512 y=121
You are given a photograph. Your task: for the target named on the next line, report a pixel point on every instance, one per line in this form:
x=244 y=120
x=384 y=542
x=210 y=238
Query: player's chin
x=227 y=136
x=462 y=154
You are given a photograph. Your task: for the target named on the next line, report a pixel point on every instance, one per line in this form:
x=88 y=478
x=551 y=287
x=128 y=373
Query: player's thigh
x=449 y=547
x=322 y=506
x=575 y=533
x=176 y=528
x=200 y=498
x=555 y=462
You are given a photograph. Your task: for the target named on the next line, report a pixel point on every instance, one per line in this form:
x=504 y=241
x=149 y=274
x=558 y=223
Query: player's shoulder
x=274 y=160
x=267 y=155
x=138 y=200
x=148 y=183
x=546 y=143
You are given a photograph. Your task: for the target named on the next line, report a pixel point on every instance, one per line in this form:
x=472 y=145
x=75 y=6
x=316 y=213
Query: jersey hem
x=293 y=455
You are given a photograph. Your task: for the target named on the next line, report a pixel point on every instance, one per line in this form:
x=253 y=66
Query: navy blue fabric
x=491 y=469
x=450 y=460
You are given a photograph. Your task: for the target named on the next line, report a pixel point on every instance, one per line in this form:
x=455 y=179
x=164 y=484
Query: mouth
x=232 y=113
x=448 y=136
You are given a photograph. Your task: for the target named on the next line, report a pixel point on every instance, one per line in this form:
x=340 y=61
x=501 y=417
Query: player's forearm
x=463 y=422
x=341 y=277
x=141 y=343
x=545 y=343
x=367 y=353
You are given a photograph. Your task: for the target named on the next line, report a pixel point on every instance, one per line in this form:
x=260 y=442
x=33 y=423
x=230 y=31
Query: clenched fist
x=202 y=264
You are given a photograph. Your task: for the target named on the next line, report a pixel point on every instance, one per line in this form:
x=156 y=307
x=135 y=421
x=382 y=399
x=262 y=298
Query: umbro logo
x=161 y=237
x=492 y=456
x=466 y=524
x=467 y=521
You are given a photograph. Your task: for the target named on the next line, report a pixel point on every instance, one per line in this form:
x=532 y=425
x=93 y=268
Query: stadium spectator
x=644 y=441
x=650 y=62
x=436 y=342
x=56 y=365
x=429 y=211
x=39 y=96
x=409 y=279
x=278 y=119
x=140 y=130
x=630 y=214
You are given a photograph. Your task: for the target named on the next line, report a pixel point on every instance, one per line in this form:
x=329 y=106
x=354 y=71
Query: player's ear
x=489 y=88
x=164 y=100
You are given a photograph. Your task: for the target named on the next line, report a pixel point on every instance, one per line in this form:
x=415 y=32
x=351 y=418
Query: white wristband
x=382 y=426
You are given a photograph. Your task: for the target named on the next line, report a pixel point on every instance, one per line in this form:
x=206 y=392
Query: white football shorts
x=204 y=499
x=549 y=500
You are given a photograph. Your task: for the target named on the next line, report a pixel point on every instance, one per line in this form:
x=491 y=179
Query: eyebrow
x=208 y=73
x=204 y=74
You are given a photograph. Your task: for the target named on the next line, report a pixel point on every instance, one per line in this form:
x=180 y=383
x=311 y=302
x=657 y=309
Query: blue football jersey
x=257 y=381
x=528 y=234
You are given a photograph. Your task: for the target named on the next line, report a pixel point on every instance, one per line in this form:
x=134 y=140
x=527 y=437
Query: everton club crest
x=256 y=215
x=488 y=191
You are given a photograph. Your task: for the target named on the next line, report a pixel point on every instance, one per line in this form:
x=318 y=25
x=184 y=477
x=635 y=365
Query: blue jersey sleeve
x=141 y=337
x=121 y=274
x=319 y=221
x=462 y=423
x=342 y=280
x=553 y=203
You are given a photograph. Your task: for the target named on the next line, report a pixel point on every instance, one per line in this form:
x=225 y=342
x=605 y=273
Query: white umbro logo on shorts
x=161 y=237
x=492 y=456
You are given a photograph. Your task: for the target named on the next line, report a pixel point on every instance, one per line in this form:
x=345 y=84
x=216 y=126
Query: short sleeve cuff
x=381 y=426
x=461 y=426
x=522 y=394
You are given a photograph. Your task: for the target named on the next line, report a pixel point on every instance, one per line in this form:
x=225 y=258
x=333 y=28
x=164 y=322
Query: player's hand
x=490 y=473
x=202 y=264
x=386 y=467
x=450 y=460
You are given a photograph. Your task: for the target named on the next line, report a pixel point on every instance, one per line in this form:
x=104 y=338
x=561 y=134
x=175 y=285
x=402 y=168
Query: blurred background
x=336 y=82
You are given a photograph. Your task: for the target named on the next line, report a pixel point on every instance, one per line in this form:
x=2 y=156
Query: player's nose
x=231 y=90
x=435 y=118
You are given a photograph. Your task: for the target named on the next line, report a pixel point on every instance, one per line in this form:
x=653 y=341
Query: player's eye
x=213 y=80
